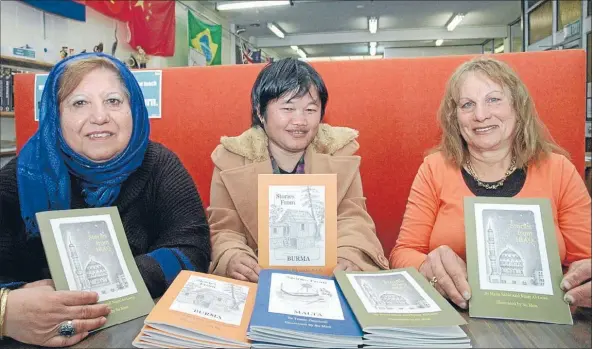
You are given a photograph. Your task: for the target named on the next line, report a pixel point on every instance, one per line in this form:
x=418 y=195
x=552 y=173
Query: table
x=484 y=333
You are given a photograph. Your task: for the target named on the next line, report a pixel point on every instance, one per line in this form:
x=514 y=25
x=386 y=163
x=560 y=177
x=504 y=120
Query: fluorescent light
x=276 y=30
x=499 y=49
x=373 y=50
x=439 y=42
x=249 y=4
x=301 y=53
x=373 y=44
x=294 y=47
x=455 y=21
x=373 y=24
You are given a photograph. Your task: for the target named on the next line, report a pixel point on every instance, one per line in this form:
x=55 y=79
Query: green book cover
x=395 y=298
x=87 y=249
x=513 y=264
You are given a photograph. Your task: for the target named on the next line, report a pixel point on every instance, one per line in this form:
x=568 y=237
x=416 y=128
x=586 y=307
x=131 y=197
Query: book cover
x=513 y=263
x=297 y=222
x=205 y=307
x=87 y=249
x=289 y=302
x=395 y=298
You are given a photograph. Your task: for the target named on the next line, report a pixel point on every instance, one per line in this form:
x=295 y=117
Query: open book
x=200 y=311
x=399 y=308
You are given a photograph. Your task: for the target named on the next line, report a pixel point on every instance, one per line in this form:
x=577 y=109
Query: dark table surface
x=484 y=333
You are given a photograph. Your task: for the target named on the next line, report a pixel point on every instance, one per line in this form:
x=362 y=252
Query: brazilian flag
x=205 y=38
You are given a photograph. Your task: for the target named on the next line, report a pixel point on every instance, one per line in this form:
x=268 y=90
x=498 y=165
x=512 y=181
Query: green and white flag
x=205 y=38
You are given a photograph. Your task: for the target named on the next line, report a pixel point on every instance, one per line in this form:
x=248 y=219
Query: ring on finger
x=66 y=329
x=433 y=281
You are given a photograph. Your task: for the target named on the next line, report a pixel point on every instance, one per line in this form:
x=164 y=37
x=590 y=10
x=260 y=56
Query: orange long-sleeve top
x=434 y=212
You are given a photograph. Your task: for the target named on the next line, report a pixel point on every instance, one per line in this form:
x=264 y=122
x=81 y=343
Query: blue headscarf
x=45 y=163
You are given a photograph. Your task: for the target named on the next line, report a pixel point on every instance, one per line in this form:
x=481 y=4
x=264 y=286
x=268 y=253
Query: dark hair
x=288 y=75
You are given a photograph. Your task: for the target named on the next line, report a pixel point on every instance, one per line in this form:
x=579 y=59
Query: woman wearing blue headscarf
x=92 y=150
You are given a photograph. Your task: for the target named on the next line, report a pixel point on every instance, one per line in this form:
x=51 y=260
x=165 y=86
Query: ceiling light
x=232 y=5
x=301 y=53
x=373 y=43
x=276 y=30
x=294 y=47
x=499 y=49
x=373 y=24
x=373 y=50
x=439 y=42
x=455 y=20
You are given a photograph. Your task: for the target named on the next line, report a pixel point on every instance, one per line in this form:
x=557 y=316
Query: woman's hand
x=577 y=284
x=243 y=267
x=450 y=272
x=34 y=314
x=346 y=265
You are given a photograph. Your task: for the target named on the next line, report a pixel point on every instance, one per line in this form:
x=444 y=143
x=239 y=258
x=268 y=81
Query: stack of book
x=399 y=309
x=200 y=311
x=301 y=310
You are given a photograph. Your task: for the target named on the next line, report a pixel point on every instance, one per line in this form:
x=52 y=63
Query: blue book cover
x=291 y=301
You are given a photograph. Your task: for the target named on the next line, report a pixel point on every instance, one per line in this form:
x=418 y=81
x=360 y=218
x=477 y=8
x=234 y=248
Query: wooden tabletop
x=484 y=333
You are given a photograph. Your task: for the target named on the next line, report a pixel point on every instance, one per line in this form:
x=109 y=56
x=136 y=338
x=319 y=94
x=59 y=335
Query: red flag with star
x=152 y=26
x=117 y=9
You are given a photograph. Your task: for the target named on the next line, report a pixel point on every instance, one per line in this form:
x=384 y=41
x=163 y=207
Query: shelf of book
x=25 y=63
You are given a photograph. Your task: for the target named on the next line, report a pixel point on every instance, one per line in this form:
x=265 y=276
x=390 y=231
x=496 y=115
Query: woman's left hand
x=346 y=265
x=577 y=284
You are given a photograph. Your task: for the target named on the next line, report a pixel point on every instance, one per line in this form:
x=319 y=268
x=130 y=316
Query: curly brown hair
x=532 y=140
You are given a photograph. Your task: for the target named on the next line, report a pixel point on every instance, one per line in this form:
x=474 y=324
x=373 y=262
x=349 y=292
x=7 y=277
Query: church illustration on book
x=508 y=267
x=94 y=276
x=294 y=229
x=225 y=297
x=389 y=300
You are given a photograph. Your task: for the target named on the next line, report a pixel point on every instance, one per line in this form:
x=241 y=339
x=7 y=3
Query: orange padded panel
x=392 y=102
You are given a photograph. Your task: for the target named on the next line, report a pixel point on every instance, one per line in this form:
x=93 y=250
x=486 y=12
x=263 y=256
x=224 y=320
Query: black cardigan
x=161 y=211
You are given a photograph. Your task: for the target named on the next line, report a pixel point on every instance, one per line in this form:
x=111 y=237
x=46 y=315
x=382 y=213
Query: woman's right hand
x=34 y=314
x=450 y=272
x=243 y=267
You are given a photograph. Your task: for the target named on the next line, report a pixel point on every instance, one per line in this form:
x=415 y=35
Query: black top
x=286 y=172
x=162 y=215
x=512 y=184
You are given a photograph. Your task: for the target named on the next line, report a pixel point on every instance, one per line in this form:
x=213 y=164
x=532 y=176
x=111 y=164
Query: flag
x=249 y=55
x=152 y=26
x=205 y=38
x=151 y=23
x=119 y=9
x=64 y=8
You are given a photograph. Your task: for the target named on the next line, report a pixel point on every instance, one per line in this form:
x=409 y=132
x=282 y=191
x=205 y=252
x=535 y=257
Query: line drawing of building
x=509 y=266
x=389 y=300
x=294 y=229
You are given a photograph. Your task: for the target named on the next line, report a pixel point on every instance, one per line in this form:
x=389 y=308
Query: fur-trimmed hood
x=253 y=143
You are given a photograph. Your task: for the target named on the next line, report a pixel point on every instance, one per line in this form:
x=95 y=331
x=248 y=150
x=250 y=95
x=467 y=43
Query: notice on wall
x=150 y=82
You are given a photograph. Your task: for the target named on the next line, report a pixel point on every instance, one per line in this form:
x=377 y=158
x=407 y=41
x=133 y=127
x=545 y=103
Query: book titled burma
x=200 y=311
x=399 y=308
x=301 y=310
x=87 y=250
x=297 y=222
x=513 y=263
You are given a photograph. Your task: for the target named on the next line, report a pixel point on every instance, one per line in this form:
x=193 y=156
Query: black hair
x=288 y=75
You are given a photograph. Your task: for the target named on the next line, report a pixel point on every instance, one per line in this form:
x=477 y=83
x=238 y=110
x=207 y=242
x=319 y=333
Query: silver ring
x=66 y=329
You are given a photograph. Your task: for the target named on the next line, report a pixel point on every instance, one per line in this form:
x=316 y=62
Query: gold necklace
x=498 y=183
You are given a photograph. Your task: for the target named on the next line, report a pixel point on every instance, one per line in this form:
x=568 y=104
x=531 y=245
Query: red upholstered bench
x=392 y=102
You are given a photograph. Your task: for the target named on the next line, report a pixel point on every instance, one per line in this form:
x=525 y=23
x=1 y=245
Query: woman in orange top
x=493 y=144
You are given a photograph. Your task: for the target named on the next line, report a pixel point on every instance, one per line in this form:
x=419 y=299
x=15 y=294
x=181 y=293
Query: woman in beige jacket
x=286 y=137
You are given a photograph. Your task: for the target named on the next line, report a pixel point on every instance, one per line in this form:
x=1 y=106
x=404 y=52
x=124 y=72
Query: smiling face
x=292 y=122
x=96 y=118
x=485 y=113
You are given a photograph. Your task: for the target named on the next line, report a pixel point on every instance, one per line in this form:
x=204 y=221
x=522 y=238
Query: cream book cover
x=297 y=222
x=201 y=308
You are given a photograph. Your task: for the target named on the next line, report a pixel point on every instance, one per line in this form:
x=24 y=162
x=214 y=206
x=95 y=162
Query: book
x=200 y=310
x=294 y=309
x=297 y=222
x=87 y=249
x=399 y=308
x=513 y=264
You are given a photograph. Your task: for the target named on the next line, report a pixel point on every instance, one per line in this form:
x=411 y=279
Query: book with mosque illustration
x=513 y=263
x=200 y=311
x=297 y=222
x=87 y=250
x=399 y=308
